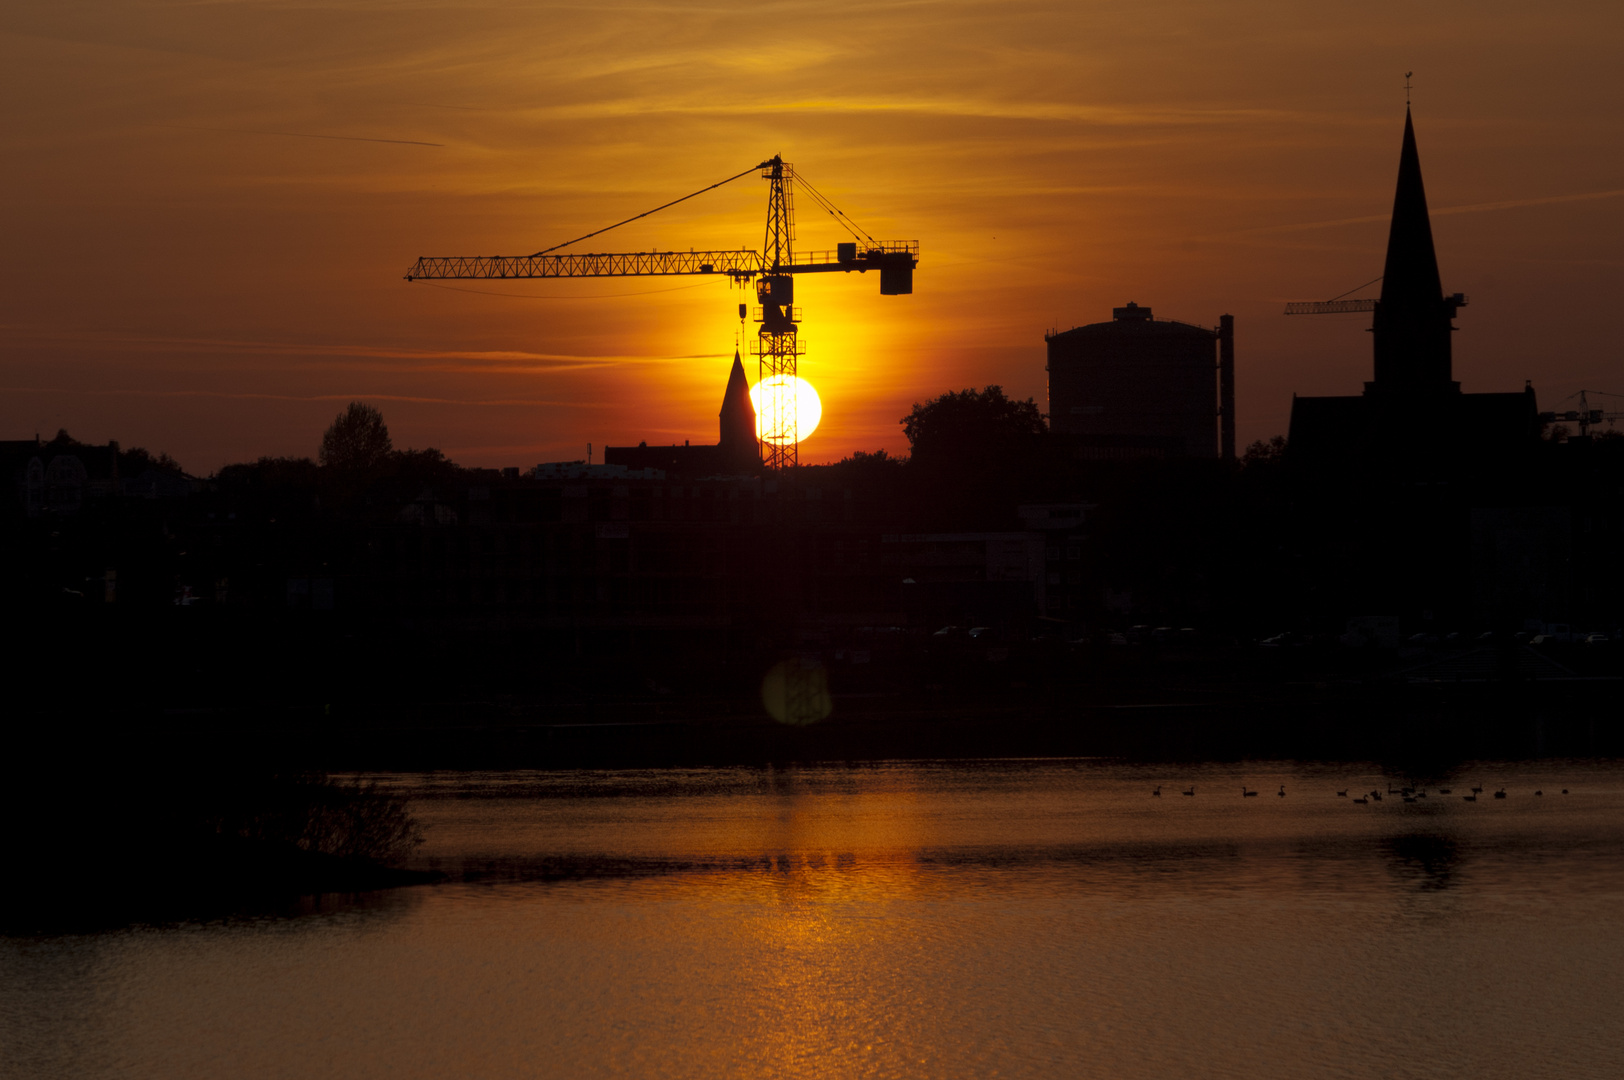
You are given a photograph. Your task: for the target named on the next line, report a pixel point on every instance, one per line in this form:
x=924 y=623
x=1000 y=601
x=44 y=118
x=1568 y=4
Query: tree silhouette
x=357 y=439
x=1265 y=453
x=967 y=427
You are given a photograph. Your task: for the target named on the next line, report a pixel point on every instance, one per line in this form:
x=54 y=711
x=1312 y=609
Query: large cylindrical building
x=1137 y=387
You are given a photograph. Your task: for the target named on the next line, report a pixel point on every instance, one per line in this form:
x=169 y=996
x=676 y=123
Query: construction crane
x=1338 y=305
x=1344 y=307
x=773 y=269
x=1329 y=307
x=1584 y=415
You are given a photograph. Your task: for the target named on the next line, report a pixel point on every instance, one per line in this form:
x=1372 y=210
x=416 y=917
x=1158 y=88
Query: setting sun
x=778 y=398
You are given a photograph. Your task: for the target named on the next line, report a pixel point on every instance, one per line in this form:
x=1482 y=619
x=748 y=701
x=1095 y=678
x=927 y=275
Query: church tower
x=1412 y=420
x=1413 y=319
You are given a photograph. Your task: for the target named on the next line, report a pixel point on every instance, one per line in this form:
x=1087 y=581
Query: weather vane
x=1407 y=75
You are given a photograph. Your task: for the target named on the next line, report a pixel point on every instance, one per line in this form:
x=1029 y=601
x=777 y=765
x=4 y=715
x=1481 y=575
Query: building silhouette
x=63 y=475
x=735 y=453
x=1412 y=414
x=1139 y=387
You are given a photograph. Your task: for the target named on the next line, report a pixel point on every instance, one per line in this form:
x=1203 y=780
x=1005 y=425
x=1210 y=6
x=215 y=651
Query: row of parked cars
x=1454 y=640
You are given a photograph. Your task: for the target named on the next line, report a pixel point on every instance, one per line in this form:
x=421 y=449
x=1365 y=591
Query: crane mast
x=773 y=269
x=778 y=343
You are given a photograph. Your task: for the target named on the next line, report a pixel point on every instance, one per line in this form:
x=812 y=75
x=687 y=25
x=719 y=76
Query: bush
x=315 y=814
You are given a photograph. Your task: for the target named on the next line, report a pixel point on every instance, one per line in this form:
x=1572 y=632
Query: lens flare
x=781 y=399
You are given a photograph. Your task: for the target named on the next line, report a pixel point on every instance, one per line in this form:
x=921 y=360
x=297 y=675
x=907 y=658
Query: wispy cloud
x=495 y=359
x=1442 y=211
x=354 y=395
x=298 y=135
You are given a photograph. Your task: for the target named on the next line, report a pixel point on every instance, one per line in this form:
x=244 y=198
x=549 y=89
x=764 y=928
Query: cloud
x=496 y=359
x=1442 y=211
x=357 y=395
x=299 y=135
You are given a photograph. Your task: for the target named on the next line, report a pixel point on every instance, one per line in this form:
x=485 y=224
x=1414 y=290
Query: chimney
x=1226 y=387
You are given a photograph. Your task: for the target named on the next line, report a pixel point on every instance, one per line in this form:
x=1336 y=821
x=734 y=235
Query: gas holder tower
x=773 y=269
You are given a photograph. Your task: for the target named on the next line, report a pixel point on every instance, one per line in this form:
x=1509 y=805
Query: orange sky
x=207 y=207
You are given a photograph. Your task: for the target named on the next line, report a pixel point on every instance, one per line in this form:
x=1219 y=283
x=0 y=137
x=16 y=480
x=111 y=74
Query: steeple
x=1413 y=320
x=738 y=417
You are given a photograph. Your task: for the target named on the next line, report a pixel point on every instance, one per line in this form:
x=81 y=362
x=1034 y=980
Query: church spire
x=1413 y=320
x=738 y=418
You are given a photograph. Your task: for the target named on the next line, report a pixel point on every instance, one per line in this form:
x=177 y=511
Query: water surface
x=1013 y=918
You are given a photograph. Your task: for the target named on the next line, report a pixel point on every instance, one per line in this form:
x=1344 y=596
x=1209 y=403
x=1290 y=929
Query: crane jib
x=895 y=261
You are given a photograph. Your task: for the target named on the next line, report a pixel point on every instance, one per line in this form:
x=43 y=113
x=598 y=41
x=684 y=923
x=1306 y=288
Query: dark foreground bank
x=158 y=833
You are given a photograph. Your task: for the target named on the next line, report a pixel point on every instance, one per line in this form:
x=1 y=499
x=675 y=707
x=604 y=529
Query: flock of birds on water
x=1408 y=794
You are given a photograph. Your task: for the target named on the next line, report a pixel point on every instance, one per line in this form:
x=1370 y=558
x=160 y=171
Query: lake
x=1046 y=918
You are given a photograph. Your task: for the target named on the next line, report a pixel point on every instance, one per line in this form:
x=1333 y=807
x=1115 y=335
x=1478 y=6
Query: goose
x=1446 y=791
x=1282 y=791
x=1539 y=793
x=1246 y=794
x=1500 y=794
x=1363 y=800
x=1158 y=792
x=1470 y=798
x=1191 y=791
x=1564 y=791
x=1342 y=794
x=1478 y=790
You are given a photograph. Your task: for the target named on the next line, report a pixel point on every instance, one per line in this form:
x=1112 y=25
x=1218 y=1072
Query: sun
x=778 y=398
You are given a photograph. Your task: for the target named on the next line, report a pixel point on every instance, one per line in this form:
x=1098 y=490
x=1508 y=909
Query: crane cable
x=1355 y=289
x=857 y=231
x=656 y=210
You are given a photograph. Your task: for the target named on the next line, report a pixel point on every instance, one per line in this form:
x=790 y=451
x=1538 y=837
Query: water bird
x=1564 y=791
x=1500 y=794
x=1478 y=790
x=1539 y=793
x=1282 y=791
x=1446 y=791
x=1470 y=798
x=1246 y=794
x=1342 y=794
x=1363 y=800
x=1376 y=795
x=1158 y=791
x=1409 y=798
x=1191 y=791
